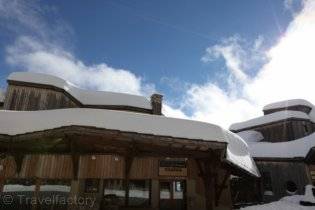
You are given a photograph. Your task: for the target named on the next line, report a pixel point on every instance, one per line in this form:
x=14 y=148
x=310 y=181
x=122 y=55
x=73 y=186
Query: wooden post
x=206 y=173
x=128 y=163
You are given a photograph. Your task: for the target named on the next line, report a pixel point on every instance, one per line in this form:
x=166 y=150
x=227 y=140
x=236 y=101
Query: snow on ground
x=269 y=118
x=86 y=97
x=287 y=103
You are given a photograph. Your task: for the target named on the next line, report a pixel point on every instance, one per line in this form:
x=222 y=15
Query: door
x=172 y=195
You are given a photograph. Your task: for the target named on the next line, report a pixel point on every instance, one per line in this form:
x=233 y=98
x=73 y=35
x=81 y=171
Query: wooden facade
x=276 y=174
x=109 y=166
x=31 y=97
x=280 y=177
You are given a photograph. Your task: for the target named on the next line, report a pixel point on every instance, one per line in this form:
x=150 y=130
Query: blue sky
x=187 y=50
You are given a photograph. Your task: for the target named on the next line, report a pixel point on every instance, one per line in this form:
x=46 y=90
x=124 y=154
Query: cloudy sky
x=218 y=61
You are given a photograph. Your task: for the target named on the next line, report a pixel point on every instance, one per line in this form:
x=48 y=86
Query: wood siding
x=34 y=98
x=57 y=166
x=280 y=173
x=286 y=130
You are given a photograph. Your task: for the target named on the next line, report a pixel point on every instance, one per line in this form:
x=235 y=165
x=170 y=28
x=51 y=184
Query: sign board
x=173 y=167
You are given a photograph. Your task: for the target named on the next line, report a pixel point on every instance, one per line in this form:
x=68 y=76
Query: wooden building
x=281 y=143
x=66 y=148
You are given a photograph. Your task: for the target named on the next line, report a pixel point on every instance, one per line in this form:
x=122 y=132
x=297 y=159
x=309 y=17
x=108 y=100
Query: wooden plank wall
x=101 y=166
x=53 y=166
x=34 y=98
x=285 y=131
x=281 y=172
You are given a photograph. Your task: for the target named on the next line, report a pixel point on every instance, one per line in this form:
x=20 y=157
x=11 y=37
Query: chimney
x=156 y=102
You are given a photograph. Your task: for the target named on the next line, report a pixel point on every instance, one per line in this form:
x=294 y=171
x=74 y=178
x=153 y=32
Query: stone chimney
x=156 y=102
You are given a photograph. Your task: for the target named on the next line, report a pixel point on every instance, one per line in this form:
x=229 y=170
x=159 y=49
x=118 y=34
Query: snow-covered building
x=57 y=139
x=282 y=143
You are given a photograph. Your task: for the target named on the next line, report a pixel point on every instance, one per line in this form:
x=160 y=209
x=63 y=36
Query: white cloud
x=37 y=49
x=288 y=73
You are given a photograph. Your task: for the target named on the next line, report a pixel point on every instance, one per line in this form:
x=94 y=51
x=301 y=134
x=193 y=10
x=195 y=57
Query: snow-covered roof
x=86 y=97
x=251 y=136
x=288 y=103
x=291 y=149
x=16 y=122
x=2 y=95
x=273 y=117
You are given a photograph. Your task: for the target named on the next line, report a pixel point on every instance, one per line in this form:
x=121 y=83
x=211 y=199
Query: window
x=267 y=184
x=92 y=185
x=114 y=192
x=17 y=189
x=139 y=193
x=55 y=192
x=291 y=187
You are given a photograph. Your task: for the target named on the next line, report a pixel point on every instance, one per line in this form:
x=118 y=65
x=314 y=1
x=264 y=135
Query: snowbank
x=86 y=97
x=274 y=117
x=251 y=136
x=288 y=103
x=17 y=122
x=290 y=149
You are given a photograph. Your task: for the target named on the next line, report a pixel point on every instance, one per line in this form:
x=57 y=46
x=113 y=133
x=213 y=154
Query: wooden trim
x=220 y=187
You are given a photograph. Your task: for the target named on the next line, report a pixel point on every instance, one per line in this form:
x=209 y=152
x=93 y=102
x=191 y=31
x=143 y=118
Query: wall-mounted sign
x=172 y=167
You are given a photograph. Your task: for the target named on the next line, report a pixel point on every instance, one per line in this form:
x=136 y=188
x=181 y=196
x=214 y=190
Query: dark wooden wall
x=58 y=166
x=280 y=173
x=35 y=98
x=285 y=130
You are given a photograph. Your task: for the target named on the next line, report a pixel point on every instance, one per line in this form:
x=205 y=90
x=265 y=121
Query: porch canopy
x=105 y=131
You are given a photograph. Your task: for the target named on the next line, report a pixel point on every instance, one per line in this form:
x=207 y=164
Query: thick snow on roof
x=2 y=95
x=290 y=149
x=251 y=136
x=17 y=122
x=269 y=118
x=86 y=97
x=288 y=103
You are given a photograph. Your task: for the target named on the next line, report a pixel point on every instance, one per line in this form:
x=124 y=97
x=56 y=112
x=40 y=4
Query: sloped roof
x=86 y=97
x=269 y=118
x=288 y=103
x=17 y=122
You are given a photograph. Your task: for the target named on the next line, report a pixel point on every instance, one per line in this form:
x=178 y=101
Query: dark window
x=17 y=189
x=57 y=190
x=139 y=193
x=267 y=184
x=306 y=130
x=291 y=187
x=92 y=185
x=114 y=192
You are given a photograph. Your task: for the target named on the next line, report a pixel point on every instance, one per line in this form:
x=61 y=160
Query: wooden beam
x=220 y=187
x=18 y=158
x=128 y=164
x=75 y=158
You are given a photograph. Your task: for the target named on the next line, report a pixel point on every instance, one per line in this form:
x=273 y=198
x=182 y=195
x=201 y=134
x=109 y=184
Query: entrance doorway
x=173 y=195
